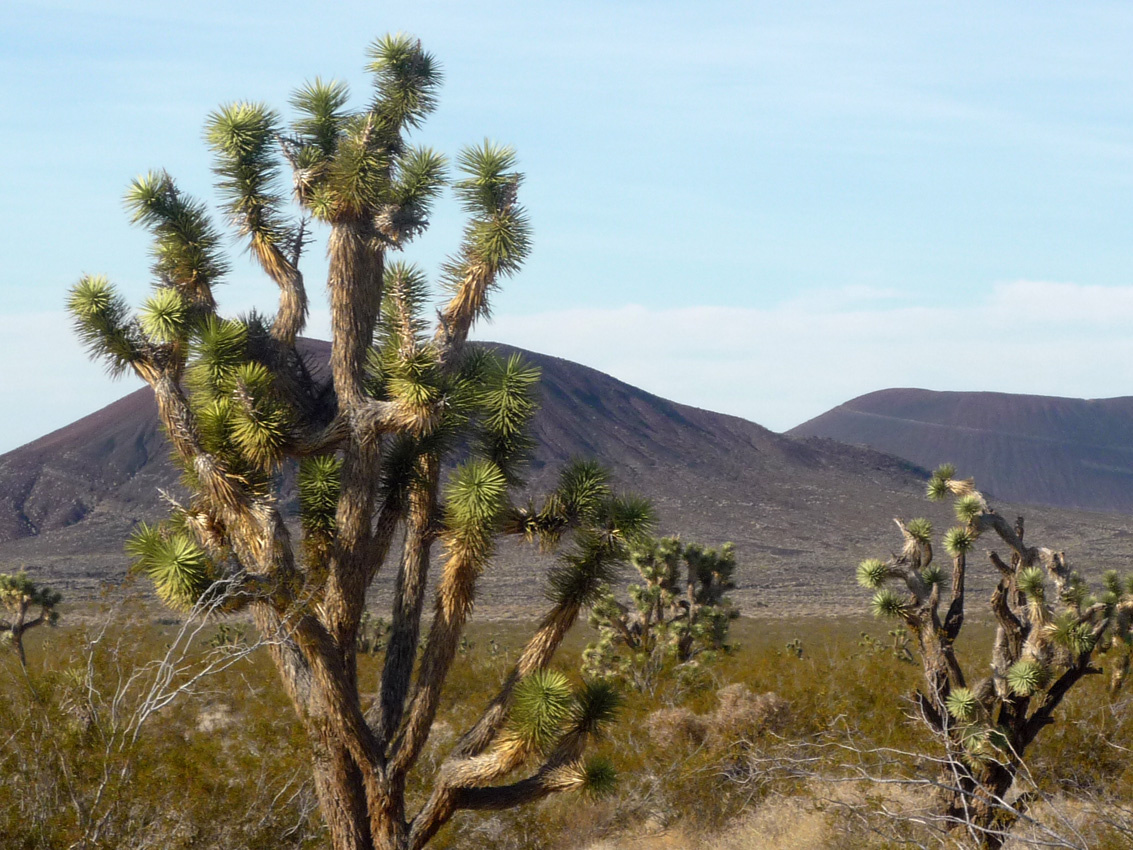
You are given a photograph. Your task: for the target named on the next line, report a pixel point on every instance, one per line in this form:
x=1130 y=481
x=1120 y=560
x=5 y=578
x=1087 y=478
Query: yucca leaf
x=581 y=575
x=872 y=573
x=968 y=507
x=945 y=472
x=932 y=574
x=937 y=489
x=101 y=321
x=959 y=540
x=243 y=138
x=186 y=246
x=599 y=777
x=1069 y=633
x=1027 y=677
x=596 y=706
x=584 y=485
x=177 y=566
x=540 y=706
x=319 y=483
x=920 y=529
x=406 y=79
x=1032 y=582
x=322 y=108
x=164 y=316
x=962 y=704
x=889 y=603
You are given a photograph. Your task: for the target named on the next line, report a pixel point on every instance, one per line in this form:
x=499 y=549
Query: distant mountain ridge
x=68 y=499
x=801 y=510
x=1065 y=452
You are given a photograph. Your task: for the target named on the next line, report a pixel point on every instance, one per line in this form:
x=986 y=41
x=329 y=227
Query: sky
x=764 y=209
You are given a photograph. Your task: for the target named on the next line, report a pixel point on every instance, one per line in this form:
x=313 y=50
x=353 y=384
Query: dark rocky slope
x=1065 y=452
x=801 y=510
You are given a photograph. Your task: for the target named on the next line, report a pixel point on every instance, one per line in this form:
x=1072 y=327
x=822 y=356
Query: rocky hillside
x=801 y=510
x=1065 y=452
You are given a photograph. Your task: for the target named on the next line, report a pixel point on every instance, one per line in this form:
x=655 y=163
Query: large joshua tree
x=238 y=400
x=1049 y=631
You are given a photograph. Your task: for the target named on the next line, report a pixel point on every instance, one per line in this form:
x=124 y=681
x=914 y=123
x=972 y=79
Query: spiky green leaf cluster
x=1027 y=677
x=1032 y=582
x=580 y=576
x=102 y=321
x=872 y=573
x=920 y=529
x=474 y=499
x=596 y=706
x=320 y=481
x=261 y=420
x=584 y=486
x=938 y=488
x=217 y=348
x=186 y=246
x=403 y=323
x=179 y=568
x=968 y=507
x=959 y=540
x=508 y=400
x=599 y=777
x=583 y=489
x=541 y=705
x=321 y=105
x=932 y=575
x=498 y=238
x=406 y=80
x=601 y=544
x=165 y=316
x=243 y=139
x=889 y=603
x=355 y=165
x=419 y=177
x=962 y=704
x=1071 y=634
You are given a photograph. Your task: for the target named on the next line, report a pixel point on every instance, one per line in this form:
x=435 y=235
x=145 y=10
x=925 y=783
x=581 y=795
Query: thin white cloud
x=783 y=365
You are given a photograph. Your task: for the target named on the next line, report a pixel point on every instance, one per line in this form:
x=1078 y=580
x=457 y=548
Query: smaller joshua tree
x=680 y=612
x=19 y=595
x=1049 y=630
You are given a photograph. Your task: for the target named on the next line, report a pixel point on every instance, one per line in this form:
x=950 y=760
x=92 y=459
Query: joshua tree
x=677 y=614
x=18 y=596
x=238 y=400
x=1049 y=631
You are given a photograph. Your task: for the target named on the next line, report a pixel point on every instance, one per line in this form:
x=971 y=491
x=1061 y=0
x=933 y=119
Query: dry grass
x=207 y=769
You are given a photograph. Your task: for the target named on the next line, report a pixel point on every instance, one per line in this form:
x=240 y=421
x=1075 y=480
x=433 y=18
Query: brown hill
x=1066 y=452
x=801 y=511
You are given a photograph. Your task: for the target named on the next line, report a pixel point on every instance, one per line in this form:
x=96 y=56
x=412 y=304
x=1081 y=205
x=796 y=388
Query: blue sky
x=760 y=208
